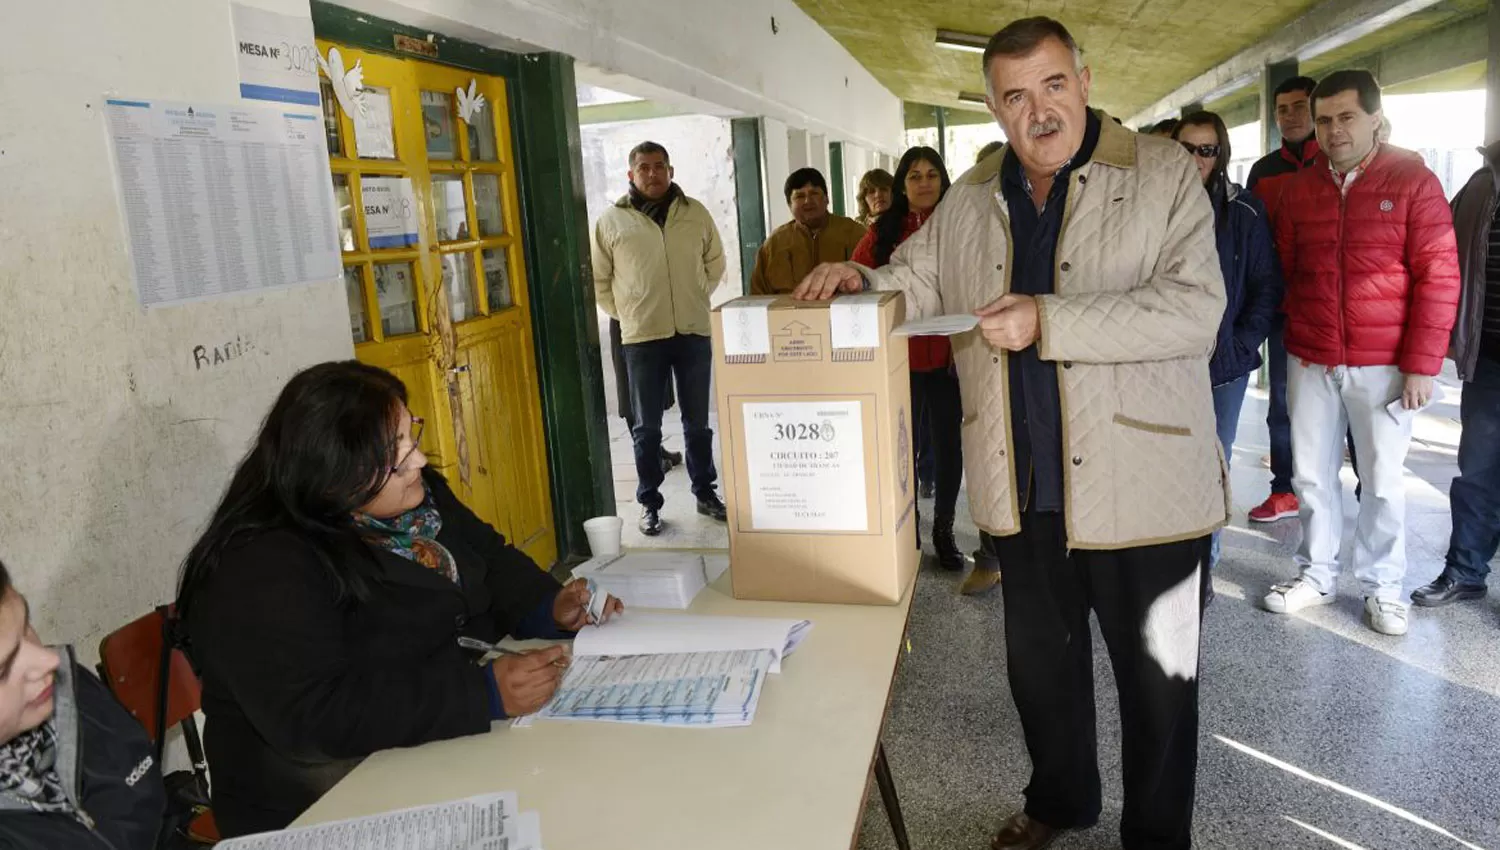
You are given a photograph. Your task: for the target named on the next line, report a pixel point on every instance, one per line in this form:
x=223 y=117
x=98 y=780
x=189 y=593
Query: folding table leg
x=888 y=797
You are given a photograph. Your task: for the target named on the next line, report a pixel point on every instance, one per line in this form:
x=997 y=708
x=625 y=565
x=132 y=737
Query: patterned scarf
x=655 y=210
x=413 y=536
x=28 y=771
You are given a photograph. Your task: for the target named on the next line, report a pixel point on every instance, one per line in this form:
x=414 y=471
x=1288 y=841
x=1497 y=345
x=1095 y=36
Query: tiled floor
x=1316 y=732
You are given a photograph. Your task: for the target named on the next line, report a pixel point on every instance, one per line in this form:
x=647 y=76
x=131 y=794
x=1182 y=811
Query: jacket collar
x=1116 y=147
x=1310 y=151
x=65 y=721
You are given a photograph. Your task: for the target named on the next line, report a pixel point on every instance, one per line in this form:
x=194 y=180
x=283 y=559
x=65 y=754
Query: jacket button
x=1077 y=460
x=999 y=266
x=458 y=621
x=995 y=358
x=1067 y=364
x=1066 y=266
x=1001 y=453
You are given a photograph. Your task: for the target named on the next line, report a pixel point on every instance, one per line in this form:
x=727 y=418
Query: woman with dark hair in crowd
x=324 y=603
x=1252 y=277
x=874 y=195
x=921 y=181
x=76 y=770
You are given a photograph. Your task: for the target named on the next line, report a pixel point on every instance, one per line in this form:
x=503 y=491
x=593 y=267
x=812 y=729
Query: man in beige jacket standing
x=657 y=258
x=1088 y=253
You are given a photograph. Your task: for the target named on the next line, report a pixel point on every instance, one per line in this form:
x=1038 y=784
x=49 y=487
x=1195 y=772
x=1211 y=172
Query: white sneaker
x=1386 y=616
x=1292 y=596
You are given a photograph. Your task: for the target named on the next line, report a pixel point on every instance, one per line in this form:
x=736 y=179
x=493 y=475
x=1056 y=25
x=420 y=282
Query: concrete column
x=942 y=133
x=777 y=147
x=817 y=153
x=1492 y=78
x=1274 y=75
x=796 y=151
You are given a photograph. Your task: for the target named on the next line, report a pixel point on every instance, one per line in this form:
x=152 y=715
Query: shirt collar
x=1340 y=179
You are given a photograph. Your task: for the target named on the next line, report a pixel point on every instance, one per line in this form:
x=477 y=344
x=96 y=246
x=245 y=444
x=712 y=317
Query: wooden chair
x=131 y=662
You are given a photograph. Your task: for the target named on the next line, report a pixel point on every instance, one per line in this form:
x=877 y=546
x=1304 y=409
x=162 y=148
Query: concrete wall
x=703 y=157
x=756 y=57
x=116 y=444
x=777 y=151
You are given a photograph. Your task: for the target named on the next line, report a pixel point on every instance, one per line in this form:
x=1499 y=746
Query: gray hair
x=1024 y=35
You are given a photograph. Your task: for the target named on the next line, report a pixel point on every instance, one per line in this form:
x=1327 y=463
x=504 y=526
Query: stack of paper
x=654 y=579
x=673 y=669
x=487 y=822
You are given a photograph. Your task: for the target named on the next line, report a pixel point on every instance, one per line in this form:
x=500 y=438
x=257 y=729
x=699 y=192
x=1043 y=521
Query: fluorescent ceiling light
x=966 y=42
x=971 y=97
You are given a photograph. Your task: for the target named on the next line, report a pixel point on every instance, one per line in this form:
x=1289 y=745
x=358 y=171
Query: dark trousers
x=649 y=364
x=1149 y=603
x=936 y=393
x=1475 y=494
x=1278 y=420
x=921 y=435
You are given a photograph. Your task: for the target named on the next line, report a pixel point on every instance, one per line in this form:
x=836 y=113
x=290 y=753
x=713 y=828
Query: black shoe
x=1445 y=591
x=670 y=460
x=711 y=507
x=926 y=490
x=650 y=524
x=948 y=555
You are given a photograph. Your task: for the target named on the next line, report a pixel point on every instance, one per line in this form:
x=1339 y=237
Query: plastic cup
x=604 y=534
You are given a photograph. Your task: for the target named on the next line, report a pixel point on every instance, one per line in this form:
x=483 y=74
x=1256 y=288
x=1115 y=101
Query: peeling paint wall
x=703 y=157
x=117 y=437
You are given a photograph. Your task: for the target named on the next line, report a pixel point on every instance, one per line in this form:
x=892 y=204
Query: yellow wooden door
x=436 y=282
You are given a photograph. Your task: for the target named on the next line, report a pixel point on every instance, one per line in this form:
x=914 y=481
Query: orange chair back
x=130 y=659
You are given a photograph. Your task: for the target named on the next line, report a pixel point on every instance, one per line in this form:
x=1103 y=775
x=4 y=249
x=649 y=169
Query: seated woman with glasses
x=1252 y=277
x=324 y=603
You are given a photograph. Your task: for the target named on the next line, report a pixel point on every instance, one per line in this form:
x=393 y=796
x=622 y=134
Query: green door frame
x=749 y=195
x=544 y=129
x=836 y=176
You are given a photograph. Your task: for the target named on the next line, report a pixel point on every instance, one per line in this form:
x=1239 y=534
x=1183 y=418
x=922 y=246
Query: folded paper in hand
x=939 y=326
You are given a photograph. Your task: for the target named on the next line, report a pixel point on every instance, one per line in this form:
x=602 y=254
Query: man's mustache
x=1051 y=125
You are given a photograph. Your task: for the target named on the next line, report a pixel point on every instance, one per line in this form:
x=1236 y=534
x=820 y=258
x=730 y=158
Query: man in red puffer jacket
x=1371 y=266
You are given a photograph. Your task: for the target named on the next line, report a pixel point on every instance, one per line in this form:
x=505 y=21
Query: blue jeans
x=1475 y=494
x=1278 y=420
x=1228 y=399
x=649 y=365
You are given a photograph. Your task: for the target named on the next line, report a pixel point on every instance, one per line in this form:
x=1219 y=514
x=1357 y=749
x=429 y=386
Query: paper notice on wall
x=806 y=466
x=374 y=132
x=278 y=58
x=747 y=326
x=390 y=211
x=854 y=320
x=222 y=199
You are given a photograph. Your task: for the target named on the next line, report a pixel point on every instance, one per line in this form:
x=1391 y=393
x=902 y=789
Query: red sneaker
x=1279 y=506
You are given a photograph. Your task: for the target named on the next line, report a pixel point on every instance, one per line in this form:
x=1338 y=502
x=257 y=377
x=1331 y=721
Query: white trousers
x=1324 y=402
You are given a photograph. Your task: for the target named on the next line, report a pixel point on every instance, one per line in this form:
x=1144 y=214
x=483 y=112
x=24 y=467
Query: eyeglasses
x=417 y=424
x=1205 y=151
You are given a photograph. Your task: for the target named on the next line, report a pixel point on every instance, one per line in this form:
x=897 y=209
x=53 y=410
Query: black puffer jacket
x=107 y=765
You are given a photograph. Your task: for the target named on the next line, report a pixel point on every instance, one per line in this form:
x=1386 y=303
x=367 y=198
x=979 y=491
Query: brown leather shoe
x=979 y=580
x=1023 y=833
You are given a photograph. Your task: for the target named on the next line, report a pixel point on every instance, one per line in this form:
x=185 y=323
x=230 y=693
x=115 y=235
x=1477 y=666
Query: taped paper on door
x=747 y=331
x=806 y=465
x=855 y=320
x=938 y=326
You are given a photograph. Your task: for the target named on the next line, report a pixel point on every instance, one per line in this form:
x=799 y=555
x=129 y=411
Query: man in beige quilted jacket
x=1088 y=254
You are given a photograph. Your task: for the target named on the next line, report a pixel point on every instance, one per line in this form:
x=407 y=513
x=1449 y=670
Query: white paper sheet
x=278 y=57
x=390 y=211
x=855 y=320
x=747 y=326
x=374 y=133
x=938 y=326
x=805 y=461
x=711 y=689
x=640 y=633
x=486 y=822
x=1397 y=410
x=222 y=199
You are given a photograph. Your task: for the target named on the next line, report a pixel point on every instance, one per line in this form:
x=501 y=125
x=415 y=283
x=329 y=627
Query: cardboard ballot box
x=815 y=424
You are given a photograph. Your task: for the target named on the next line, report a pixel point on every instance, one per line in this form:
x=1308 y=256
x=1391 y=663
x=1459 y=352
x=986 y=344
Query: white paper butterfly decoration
x=470 y=103
x=348 y=86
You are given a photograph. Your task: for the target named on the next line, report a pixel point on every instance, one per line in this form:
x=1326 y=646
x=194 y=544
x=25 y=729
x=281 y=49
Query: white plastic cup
x=604 y=534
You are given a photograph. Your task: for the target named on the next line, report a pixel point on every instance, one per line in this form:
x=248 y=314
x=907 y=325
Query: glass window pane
x=345 y=203
x=374 y=135
x=482 y=135
x=448 y=207
x=458 y=279
x=331 y=120
x=487 y=205
x=437 y=125
x=397 y=294
x=355 y=291
x=497 y=278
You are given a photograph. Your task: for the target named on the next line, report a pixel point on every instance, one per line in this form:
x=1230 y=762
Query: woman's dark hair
x=888 y=227
x=325 y=449
x=4 y=579
x=1218 y=179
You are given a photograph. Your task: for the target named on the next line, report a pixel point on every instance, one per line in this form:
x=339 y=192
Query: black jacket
x=1473 y=215
x=106 y=763
x=298 y=687
x=1252 y=284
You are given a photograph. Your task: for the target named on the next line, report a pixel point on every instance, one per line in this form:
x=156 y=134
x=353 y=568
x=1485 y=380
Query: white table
x=796 y=777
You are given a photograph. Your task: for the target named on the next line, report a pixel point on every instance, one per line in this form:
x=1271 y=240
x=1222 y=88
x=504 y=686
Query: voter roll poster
x=222 y=199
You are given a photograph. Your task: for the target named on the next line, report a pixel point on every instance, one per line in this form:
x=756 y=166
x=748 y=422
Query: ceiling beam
x=1327 y=26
